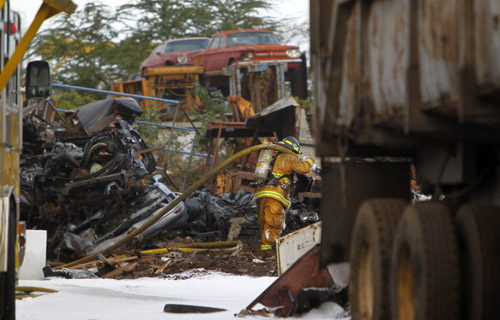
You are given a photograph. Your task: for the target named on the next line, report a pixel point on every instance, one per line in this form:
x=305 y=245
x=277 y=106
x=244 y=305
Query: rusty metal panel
x=328 y=32
x=439 y=48
x=375 y=62
x=487 y=44
x=283 y=295
x=385 y=60
x=350 y=71
x=295 y=244
x=389 y=69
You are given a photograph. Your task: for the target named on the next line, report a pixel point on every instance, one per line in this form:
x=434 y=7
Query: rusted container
x=387 y=68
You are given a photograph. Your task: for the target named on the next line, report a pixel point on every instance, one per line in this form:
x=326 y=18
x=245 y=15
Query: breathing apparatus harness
x=273 y=178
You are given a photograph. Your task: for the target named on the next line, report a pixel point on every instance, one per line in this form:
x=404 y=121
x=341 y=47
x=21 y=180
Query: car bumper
x=258 y=65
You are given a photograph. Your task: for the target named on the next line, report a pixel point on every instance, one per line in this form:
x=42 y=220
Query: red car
x=238 y=46
x=175 y=52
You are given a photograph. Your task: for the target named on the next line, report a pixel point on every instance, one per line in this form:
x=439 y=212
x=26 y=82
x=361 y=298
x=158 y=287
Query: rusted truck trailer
x=401 y=82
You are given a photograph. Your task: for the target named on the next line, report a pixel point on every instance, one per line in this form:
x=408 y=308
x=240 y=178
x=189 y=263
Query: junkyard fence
x=172 y=127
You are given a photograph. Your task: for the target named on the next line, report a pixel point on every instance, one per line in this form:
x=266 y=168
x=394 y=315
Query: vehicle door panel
x=210 y=54
x=156 y=59
x=222 y=53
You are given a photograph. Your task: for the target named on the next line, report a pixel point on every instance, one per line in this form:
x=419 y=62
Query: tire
x=371 y=247
x=478 y=230
x=8 y=279
x=424 y=280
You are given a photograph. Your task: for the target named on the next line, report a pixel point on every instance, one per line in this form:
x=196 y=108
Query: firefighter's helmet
x=291 y=143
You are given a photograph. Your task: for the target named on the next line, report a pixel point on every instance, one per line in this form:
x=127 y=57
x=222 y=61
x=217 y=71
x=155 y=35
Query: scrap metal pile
x=83 y=178
x=89 y=179
x=235 y=216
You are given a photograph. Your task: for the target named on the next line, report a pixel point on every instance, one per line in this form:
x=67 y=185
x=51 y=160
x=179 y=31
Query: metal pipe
x=171 y=134
x=164 y=125
x=189 y=164
x=65 y=86
x=188 y=153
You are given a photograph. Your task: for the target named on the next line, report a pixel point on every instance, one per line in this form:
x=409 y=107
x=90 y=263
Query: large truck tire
x=479 y=234
x=370 y=257
x=8 y=279
x=424 y=279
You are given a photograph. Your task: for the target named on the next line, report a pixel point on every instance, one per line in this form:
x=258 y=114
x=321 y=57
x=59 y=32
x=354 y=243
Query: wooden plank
x=118 y=271
x=160 y=269
x=90 y=264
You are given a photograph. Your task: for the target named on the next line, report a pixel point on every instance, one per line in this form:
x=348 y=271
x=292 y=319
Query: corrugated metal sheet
x=390 y=62
x=487 y=42
x=350 y=71
x=383 y=56
x=439 y=27
x=387 y=43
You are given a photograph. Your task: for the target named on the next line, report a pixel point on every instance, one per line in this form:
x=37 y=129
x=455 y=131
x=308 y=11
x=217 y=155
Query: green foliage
x=81 y=47
x=215 y=106
x=306 y=105
x=163 y=20
x=96 y=46
x=69 y=100
x=149 y=132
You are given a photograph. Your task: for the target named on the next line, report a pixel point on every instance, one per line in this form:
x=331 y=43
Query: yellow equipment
x=167 y=82
x=13 y=48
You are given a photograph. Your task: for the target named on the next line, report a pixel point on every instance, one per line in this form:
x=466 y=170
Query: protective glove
x=308 y=159
x=316 y=169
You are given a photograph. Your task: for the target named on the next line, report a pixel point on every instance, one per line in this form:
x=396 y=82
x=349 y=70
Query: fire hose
x=176 y=201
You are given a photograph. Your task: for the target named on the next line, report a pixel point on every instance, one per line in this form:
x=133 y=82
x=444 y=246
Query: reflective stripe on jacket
x=265 y=192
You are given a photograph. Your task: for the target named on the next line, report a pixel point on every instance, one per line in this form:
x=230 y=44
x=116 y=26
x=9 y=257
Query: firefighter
x=272 y=197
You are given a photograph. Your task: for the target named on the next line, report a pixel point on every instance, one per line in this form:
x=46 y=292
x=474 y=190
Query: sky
x=145 y=298
x=297 y=10
x=281 y=8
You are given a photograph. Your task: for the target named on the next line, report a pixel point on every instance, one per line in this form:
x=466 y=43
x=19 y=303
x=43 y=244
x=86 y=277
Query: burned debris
x=89 y=179
x=83 y=178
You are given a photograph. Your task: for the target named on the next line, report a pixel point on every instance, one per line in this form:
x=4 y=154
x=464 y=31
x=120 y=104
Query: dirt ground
x=245 y=259
x=248 y=260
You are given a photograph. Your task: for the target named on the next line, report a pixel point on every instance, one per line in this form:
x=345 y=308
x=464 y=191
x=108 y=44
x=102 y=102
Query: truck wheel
x=479 y=236
x=371 y=248
x=8 y=279
x=424 y=279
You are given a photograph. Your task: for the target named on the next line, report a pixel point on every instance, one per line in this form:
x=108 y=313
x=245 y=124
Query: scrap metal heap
x=87 y=188
x=89 y=179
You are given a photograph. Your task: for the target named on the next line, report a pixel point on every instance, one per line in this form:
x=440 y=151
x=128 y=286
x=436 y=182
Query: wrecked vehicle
x=83 y=179
x=174 y=52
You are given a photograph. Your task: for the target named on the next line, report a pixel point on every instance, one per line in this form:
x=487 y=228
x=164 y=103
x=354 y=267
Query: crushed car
x=83 y=178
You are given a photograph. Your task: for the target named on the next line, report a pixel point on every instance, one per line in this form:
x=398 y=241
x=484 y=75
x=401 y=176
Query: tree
x=81 y=47
x=163 y=20
x=96 y=46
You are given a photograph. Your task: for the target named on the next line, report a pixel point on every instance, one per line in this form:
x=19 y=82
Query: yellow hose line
x=156 y=251
x=212 y=245
x=177 y=200
x=35 y=289
x=228 y=246
x=28 y=292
